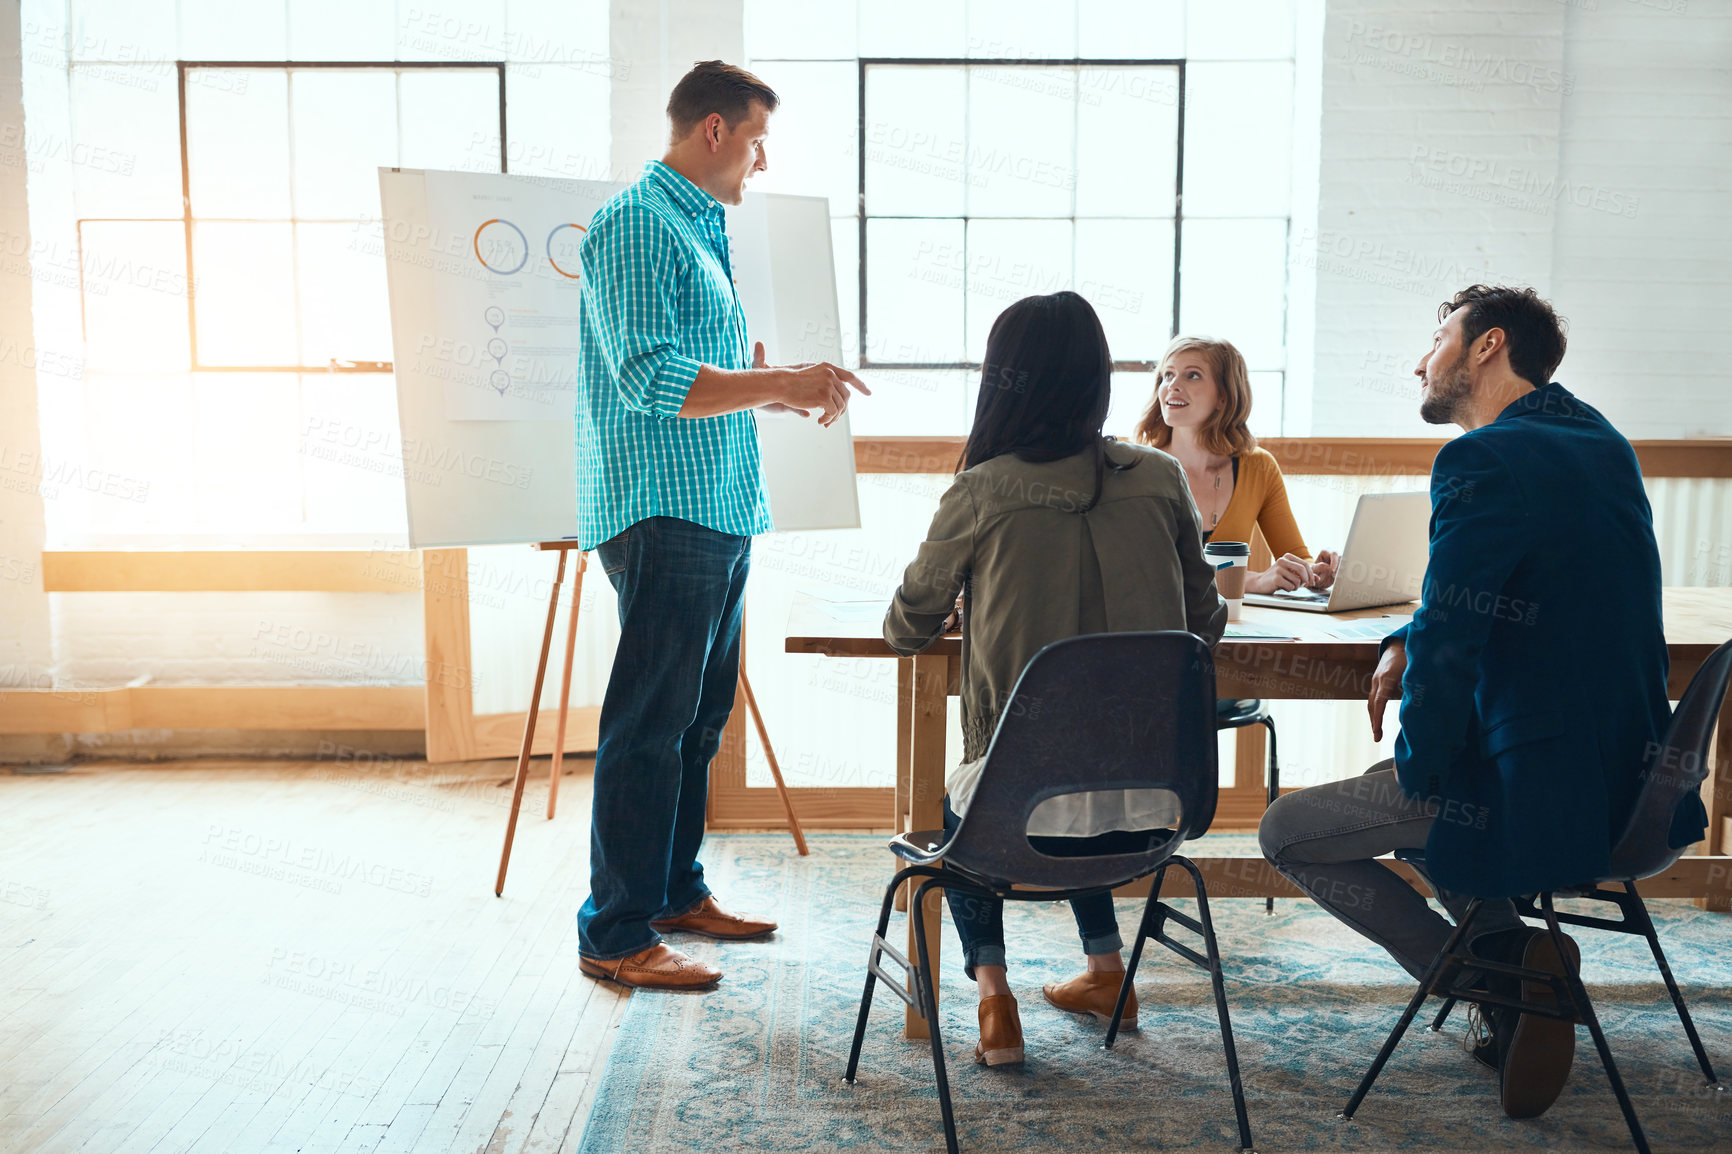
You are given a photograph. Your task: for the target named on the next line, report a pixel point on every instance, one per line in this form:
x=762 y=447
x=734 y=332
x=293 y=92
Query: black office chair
x=1648 y=846
x=1102 y=712
x=1237 y=713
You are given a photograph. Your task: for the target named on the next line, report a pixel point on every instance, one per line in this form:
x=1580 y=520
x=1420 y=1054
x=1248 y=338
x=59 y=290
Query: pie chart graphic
x=501 y=247
x=562 y=245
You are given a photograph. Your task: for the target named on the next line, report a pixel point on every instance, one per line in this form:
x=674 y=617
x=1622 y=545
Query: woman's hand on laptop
x=1322 y=572
x=1288 y=572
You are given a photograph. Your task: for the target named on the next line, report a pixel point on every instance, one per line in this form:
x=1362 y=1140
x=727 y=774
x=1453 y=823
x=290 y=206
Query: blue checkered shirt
x=658 y=302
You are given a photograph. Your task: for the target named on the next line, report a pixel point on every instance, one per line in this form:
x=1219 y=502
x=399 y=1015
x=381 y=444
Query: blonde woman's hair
x=1227 y=431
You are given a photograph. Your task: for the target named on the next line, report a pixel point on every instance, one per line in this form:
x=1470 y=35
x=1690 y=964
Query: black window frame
x=182 y=68
x=866 y=362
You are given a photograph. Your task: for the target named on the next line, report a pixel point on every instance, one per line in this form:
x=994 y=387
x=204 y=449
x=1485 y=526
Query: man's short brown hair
x=1533 y=331
x=714 y=86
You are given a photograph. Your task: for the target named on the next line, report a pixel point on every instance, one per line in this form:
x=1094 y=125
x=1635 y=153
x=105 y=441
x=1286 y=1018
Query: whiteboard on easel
x=484 y=307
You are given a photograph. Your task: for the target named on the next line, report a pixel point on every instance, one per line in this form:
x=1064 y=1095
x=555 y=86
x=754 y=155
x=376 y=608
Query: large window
x=204 y=185
x=1136 y=151
x=279 y=215
x=984 y=182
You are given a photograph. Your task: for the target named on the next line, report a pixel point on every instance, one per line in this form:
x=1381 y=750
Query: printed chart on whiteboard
x=507 y=316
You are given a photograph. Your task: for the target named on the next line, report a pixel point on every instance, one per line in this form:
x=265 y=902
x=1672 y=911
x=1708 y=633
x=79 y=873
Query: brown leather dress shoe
x=1000 y=1032
x=661 y=967
x=1536 y=1064
x=712 y=921
x=1094 y=992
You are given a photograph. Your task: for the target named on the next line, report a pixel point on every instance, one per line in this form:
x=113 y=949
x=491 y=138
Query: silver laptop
x=1383 y=562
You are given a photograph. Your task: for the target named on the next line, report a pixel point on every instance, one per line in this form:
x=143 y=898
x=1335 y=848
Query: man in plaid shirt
x=670 y=494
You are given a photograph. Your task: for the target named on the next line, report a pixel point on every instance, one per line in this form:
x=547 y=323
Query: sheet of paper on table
x=1367 y=628
x=1244 y=631
x=854 y=612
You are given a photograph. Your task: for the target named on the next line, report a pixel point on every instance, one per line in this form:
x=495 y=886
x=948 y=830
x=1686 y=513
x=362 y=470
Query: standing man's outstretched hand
x=819 y=389
x=759 y=362
x=821 y=386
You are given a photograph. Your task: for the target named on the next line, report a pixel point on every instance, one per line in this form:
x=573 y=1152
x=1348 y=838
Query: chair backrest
x=1674 y=771
x=1110 y=711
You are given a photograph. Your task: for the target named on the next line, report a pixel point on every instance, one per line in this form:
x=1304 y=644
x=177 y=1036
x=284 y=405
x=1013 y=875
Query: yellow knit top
x=1260 y=501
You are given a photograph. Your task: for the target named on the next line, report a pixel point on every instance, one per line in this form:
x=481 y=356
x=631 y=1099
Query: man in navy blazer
x=1531 y=680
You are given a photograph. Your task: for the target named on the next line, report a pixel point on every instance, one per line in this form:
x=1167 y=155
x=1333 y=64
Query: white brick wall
x=653 y=43
x=1420 y=101
x=1643 y=254
x=1578 y=147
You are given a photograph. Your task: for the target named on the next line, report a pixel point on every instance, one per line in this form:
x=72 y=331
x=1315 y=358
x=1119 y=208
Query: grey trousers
x=1324 y=840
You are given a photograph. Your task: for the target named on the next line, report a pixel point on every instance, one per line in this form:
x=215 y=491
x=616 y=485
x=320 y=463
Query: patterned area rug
x=756 y=1065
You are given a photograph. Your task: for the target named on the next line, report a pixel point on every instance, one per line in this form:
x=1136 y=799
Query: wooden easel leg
x=529 y=727
x=565 y=687
x=775 y=770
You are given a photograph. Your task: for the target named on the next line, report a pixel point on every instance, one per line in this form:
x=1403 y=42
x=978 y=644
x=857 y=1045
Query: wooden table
x=1315 y=665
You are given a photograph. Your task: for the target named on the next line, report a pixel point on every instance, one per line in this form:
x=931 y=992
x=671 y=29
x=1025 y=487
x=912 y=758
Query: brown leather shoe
x=661 y=967
x=1094 y=993
x=1000 y=1032
x=712 y=921
x=1537 y=1063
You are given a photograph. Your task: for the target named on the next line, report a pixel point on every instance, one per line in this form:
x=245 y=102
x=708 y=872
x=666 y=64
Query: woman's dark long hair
x=1044 y=386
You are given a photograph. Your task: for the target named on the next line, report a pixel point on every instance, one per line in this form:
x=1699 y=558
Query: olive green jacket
x=1034 y=568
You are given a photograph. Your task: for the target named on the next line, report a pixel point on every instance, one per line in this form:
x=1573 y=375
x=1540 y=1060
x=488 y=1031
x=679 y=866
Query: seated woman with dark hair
x=1049 y=531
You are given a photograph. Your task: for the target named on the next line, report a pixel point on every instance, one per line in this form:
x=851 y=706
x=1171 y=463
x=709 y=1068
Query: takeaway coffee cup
x=1231 y=561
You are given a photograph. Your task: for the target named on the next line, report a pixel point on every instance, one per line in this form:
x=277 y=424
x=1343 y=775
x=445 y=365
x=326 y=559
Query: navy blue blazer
x=1536 y=663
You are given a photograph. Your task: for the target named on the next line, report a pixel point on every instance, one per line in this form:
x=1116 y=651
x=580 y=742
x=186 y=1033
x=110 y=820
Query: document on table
x=1368 y=628
x=1242 y=631
x=853 y=612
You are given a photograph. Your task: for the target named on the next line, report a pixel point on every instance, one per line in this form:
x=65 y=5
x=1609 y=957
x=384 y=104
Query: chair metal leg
x=1215 y=976
x=929 y=997
x=1407 y=1015
x=871 y=981
x=1274 y=790
x=1636 y=911
x=1442 y=1015
x=1143 y=932
x=1584 y=1008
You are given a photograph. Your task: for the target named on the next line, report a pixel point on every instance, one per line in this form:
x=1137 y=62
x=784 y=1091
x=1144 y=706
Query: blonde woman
x=1200 y=414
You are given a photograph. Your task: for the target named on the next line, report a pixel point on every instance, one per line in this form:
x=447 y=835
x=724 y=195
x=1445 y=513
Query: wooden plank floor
x=298 y=956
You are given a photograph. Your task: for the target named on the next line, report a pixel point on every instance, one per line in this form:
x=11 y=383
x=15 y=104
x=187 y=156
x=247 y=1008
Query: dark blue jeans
x=681 y=588
x=980 y=920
